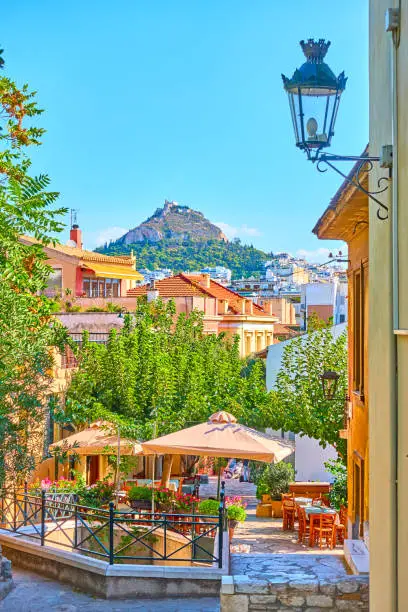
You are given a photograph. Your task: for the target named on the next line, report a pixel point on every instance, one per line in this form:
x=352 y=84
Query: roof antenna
x=74 y=220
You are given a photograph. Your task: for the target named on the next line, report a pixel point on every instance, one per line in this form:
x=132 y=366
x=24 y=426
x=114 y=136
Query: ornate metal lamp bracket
x=365 y=164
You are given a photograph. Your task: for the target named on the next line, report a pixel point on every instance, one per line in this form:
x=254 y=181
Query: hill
x=174 y=223
x=182 y=239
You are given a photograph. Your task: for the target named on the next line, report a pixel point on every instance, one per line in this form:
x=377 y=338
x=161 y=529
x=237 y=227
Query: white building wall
x=310 y=458
x=309 y=455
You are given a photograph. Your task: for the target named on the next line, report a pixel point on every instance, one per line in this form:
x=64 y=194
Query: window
x=358 y=331
x=54 y=283
x=358 y=497
x=101 y=287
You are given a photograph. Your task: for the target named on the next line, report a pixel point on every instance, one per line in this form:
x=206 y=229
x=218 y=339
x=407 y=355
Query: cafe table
x=313 y=513
x=302 y=501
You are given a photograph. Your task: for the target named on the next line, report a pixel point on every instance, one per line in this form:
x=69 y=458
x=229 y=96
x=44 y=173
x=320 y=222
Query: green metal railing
x=119 y=536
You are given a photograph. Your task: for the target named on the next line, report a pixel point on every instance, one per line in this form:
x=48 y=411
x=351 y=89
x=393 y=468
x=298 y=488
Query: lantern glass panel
x=313 y=117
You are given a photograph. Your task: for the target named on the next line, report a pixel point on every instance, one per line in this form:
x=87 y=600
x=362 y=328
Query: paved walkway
x=285 y=568
x=265 y=535
x=261 y=535
x=35 y=593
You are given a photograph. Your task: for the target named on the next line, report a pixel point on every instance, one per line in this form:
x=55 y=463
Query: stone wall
x=6 y=582
x=246 y=594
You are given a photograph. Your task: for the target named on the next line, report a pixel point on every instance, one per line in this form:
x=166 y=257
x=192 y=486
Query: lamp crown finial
x=315 y=50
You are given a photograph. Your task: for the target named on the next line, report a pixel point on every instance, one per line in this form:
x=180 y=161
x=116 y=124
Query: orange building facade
x=347 y=219
x=224 y=310
x=86 y=274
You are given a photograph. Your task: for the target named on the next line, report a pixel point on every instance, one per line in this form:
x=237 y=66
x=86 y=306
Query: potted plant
x=278 y=477
x=209 y=507
x=184 y=503
x=140 y=498
x=97 y=495
x=235 y=514
x=164 y=499
x=271 y=482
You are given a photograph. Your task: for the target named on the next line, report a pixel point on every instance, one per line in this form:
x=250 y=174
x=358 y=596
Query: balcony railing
x=97 y=337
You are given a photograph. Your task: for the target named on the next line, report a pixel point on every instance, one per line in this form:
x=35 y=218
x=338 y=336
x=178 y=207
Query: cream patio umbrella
x=96 y=439
x=221 y=436
x=100 y=437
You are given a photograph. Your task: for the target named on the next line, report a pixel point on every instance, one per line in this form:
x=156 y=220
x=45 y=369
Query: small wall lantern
x=329 y=383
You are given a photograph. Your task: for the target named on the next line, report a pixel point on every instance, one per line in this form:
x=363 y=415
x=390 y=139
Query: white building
x=309 y=455
x=327 y=300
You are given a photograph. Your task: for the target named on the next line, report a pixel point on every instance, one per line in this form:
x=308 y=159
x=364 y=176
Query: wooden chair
x=340 y=526
x=324 y=529
x=321 y=500
x=304 y=525
x=289 y=513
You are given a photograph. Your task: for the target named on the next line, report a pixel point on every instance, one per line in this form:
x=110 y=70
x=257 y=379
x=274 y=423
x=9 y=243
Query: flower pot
x=140 y=504
x=231 y=528
x=266 y=499
x=277 y=508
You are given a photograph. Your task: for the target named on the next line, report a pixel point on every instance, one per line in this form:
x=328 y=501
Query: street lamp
x=314 y=94
x=329 y=380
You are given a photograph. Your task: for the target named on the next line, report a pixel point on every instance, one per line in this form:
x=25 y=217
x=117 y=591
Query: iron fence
x=119 y=536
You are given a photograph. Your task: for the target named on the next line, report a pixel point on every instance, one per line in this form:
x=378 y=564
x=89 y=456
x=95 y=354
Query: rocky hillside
x=182 y=239
x=174 y=223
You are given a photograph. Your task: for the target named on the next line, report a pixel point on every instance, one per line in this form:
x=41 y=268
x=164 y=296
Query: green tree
x=157 y=376
x=298 y=403
x=27 y=330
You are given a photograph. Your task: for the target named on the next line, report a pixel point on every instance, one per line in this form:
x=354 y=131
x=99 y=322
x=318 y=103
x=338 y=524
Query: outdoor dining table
x=303 y=501
x=313 y=513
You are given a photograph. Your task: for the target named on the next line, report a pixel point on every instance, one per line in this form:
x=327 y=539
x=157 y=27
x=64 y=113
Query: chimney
x=249 y=307
x=268 y=307
x=205 y=280
x=152 y=292
x=75 y=234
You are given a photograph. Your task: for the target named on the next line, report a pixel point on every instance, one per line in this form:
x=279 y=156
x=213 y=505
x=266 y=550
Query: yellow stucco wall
x=388 y=530
x=357 y=443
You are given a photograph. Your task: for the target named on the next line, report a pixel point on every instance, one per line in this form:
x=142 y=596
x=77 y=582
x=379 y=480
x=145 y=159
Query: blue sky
x=147 y=100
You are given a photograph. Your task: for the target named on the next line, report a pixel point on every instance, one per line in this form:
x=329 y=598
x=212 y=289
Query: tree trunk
x=167 y=465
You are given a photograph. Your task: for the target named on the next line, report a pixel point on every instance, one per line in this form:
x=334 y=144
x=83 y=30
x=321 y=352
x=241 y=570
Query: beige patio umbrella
x=96 y=439
x=221 y=436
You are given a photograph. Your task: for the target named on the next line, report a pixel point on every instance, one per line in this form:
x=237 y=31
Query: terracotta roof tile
x=185 y=285
x=86 y=255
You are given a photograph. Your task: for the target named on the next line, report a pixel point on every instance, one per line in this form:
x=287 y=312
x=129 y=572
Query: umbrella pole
x=118 y=470
x=219 y=482
x=153 y=475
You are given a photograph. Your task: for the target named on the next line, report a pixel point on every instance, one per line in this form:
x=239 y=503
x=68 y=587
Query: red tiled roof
x=186 y=285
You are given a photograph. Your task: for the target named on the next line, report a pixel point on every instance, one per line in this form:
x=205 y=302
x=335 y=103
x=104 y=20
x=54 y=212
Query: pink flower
x=46 y=484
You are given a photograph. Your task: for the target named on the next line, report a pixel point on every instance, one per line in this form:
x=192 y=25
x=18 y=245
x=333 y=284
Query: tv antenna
x=74 y=220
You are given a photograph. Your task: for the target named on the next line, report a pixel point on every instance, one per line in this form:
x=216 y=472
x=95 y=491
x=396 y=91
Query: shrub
x=338 y=492
x=236 y=513
x=96 y=495
x=209 y=506
x=275 y=480
x=140 y=494
x=111 y=307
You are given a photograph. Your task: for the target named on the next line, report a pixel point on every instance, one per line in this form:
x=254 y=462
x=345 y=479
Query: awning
x=107 y=270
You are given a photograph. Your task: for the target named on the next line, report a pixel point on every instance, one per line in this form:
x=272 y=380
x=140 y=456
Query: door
x=92 y=469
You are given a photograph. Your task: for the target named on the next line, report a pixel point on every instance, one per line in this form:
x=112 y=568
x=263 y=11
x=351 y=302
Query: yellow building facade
x=387 y=310
x=388 y=313
x=346 y=219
